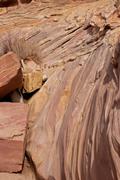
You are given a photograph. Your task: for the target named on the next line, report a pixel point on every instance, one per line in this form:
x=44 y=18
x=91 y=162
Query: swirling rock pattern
x=74 y=118
x=79 y=130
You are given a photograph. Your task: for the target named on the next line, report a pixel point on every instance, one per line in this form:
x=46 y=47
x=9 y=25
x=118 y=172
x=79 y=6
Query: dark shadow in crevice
x=27 y=96
x=8 y=3
x=6 y=99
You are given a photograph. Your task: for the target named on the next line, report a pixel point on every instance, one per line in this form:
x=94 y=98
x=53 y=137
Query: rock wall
x=74 y=118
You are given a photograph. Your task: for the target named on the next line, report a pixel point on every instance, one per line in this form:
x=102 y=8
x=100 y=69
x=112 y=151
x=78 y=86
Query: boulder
x=10 y=73
x=13 y=126
x=32 y=76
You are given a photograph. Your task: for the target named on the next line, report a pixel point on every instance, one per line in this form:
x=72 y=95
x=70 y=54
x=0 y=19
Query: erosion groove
x=74 y=119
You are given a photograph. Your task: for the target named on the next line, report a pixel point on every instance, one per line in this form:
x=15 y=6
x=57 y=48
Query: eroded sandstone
x=32 y=76
x=74 y=118
x=13 y=127
x=10 y=73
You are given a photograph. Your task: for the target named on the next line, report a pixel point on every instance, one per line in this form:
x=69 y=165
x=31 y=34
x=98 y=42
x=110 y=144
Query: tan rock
x=3 y=11
x=32 y=76
x=10 y=73
x=13 y=126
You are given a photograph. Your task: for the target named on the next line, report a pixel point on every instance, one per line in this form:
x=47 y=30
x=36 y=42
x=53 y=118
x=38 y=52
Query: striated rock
x=10 y=73
x=74 y=118
x=32 y=76
x=13 y=126
x=75 y=132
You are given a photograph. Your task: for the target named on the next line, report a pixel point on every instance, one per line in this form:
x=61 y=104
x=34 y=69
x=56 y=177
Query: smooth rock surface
x=10 y=73
x=13 y=127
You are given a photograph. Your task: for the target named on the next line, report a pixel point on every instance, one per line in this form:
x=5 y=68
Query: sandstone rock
x=10 y=73
x=13 y=126
x=74 y=118
x=71 y=132
x=3 y=11
x=26 y=174
x=32 y=76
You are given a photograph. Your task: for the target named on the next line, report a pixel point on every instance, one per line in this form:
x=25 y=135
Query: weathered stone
x=26 y=174
x=74 y=119
x=3 y=11
x=13 y=126
x=32 y=76
x=10 y=73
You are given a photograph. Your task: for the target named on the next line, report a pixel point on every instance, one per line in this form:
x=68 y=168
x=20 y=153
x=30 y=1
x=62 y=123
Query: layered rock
x=74 y=118
x=13 y=126
x=75 y=131
x=10 y=73
x=27 y=173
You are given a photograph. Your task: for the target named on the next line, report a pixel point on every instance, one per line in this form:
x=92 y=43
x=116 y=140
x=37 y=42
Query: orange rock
x=13 y=125
x=10 y=73
x=32 y=76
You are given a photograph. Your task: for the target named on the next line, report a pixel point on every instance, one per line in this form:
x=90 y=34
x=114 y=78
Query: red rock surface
x=10 y=73
x=13 y=126
x=74 y=120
